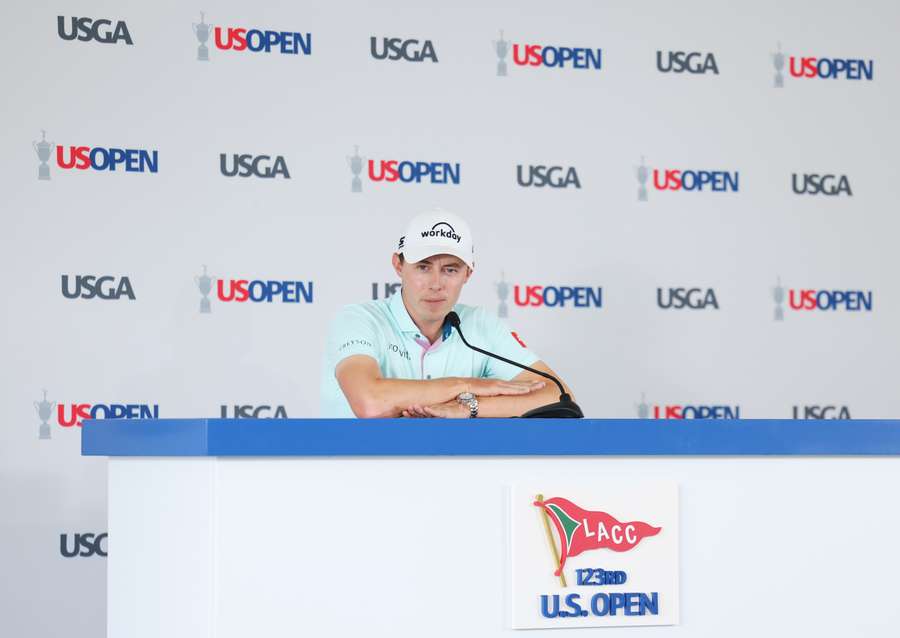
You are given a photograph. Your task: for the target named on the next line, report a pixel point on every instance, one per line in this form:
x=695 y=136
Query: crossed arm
x=372 y=396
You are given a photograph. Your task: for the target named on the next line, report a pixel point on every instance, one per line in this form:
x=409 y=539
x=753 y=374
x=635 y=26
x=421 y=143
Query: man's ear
x=468 y=274
x=395 y=261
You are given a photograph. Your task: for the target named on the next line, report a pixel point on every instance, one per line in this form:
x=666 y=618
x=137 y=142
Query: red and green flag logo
x=580 y=530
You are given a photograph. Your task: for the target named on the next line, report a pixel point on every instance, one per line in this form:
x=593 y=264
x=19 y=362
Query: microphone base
x=559 y=410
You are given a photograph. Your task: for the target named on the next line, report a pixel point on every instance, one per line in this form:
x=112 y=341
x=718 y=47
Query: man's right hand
x=497 y=387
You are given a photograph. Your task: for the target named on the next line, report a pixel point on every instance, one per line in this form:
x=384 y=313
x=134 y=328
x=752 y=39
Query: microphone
x=565 y=408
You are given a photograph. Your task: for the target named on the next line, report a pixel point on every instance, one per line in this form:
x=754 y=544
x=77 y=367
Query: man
x=395 y=357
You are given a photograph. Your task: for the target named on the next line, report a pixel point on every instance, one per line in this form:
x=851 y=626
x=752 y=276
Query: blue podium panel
x=493 y=437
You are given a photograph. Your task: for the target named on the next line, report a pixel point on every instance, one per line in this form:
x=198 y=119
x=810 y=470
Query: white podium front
x=228 y=528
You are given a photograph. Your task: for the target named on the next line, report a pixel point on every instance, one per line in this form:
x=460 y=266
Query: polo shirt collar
x=404 y=321
x=401 y=316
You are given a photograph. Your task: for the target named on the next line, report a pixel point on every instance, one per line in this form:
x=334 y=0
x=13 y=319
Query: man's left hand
x=451 y=409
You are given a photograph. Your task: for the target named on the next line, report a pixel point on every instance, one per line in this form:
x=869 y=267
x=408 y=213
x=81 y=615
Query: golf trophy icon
x=642 y=175
x=778 y=296
x=778 y=61
x=501 y=48
x=502 y=294
x=42 y=149
x=356 y=163
x=44 y=409
x=202 y=32
x=204 y=285
x=643 y=410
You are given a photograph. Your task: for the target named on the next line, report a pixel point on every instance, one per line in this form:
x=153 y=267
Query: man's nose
x=436 y=281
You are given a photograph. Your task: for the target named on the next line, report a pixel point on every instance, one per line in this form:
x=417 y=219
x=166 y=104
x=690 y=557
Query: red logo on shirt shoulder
x=516 y=337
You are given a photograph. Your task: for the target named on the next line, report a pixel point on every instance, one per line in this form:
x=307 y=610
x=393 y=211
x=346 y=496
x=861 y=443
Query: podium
x=230 y=528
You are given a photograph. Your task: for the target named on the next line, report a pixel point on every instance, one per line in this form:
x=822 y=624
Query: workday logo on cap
x=437 y=232
x=442 y=230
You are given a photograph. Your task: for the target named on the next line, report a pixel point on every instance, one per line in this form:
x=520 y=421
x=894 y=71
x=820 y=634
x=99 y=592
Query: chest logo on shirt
x=401 y=352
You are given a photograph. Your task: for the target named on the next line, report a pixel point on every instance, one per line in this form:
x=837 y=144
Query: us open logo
x=572 y=530
x=805 y=300
x=685 y=180
x=249 y=39
x=601 y=555
x=80 y=157
x=529 y=55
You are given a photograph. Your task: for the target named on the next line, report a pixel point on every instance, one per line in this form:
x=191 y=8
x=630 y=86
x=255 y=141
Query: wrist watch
x=469 y=399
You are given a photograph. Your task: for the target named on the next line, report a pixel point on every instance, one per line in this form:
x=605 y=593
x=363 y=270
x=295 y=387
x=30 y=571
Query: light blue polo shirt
x=384 y=331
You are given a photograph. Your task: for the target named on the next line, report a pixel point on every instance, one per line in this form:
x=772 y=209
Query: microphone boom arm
x=564 y=408
x=564 y=396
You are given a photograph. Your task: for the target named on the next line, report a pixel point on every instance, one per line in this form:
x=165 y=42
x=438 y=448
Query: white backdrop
x=160 y=229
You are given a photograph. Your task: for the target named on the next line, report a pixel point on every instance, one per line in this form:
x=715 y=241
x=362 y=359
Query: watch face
x=465 y=396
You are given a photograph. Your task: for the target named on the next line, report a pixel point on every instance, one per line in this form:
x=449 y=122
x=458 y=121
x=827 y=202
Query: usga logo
x=83 y=545
x=689 y=180
x=246 y=165
x=98 y=158
x=821 y=412
x=694 y=62
x=577 y=531
x=681 y=411
x=558 y=296
x=87 y=29
x=816 y=67
x=810 y=299
x=252 y=412
x=551 y=56
x=692 y=298
x=816 y=184
x=252 y=290
x=552 y=176
x=93 y=286
x=241 y=39
x=400 y=49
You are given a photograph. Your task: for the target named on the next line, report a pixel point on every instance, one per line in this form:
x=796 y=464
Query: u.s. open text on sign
x=618 y=543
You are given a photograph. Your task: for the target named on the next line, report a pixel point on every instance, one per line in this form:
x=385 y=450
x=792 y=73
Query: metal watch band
x=469 y=399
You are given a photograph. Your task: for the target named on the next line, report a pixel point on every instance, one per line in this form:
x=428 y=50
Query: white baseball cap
x=437 y=232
